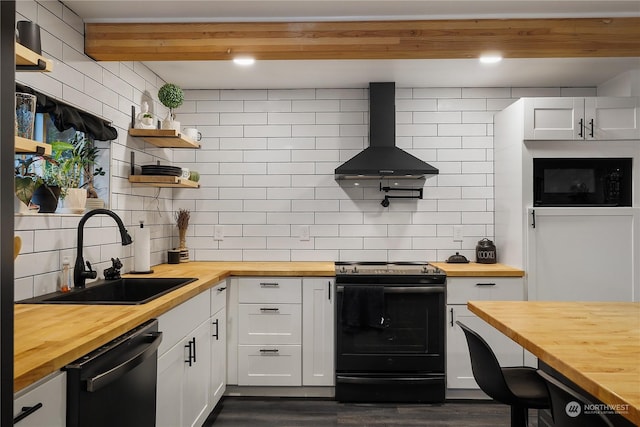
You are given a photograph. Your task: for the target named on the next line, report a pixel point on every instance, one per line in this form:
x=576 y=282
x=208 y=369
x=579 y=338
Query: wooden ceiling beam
x=437 y=39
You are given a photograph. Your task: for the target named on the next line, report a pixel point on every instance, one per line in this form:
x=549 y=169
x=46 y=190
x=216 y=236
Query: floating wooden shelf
x=28 y=60
x=163 y=181
x=165 y=138
x=28 y=146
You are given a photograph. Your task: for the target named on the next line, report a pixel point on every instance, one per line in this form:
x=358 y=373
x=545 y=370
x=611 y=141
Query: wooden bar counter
x=596 y=345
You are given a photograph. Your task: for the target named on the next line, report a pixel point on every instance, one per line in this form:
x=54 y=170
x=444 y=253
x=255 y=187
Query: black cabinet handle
x=591 y=132
x=215 y=322
x=221 y=289
x=485 y=284
x=533 y=218
x=581 y=125
x=191 y=345
x=269 y=285
x=329 y=288
x=451 y=310
x=26 y=411
x=269 y=310
x=268 y=351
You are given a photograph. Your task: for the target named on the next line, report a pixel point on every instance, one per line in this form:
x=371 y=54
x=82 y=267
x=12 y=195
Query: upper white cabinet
x=592 y=118
x=318 y=332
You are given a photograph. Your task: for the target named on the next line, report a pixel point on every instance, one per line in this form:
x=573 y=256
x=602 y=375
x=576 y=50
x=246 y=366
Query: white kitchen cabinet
x=51 y=393
x=591 y=118
x=183 y=389
x=578 y=254
x=459 y=291
x=318 y=331
x=269 y=331
x=218 y=343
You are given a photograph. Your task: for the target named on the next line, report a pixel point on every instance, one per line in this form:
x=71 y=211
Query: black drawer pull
x=26 y=411
x=215 y=322
x=269 y=310
x=221 y=289
x=269 y=285
x=485 y=284
x=268 y=351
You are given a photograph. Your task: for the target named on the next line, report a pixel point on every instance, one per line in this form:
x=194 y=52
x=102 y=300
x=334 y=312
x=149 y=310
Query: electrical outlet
x=304 y=232
x=218 y=232
x=457 y=233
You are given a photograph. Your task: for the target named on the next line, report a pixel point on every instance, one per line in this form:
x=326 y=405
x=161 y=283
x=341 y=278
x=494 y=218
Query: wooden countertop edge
x=135 y=315
x=589 y=385
x=473 y=269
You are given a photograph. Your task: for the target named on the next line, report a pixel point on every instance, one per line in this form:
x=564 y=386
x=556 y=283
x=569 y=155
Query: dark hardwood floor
x=298 y=412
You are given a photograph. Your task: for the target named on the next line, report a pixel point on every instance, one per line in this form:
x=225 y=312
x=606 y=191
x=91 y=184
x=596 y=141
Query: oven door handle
x=406 y=289
x=148 y=349
x=380 y=380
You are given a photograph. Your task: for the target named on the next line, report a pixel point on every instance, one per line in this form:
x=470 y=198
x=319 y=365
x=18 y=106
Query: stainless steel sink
x=125 y=291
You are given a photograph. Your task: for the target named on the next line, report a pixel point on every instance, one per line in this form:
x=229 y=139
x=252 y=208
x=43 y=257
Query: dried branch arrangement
x=182 y=218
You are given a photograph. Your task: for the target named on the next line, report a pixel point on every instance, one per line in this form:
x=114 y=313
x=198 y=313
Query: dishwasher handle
x=148 y=349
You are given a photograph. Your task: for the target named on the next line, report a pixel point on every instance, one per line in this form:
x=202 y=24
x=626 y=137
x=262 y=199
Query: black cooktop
x=404 y=268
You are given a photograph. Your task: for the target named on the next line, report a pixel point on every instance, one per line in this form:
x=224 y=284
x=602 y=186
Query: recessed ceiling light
x=244 y=60
x=490 y=59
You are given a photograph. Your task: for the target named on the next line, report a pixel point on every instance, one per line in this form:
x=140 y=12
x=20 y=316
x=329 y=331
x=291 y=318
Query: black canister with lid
x=486 y=252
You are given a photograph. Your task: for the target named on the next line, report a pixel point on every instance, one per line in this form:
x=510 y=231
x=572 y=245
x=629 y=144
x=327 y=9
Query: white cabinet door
x=459 y=373
x=218 y=356
x=51 y=394
x=583 y=254
x=554 y=118
x=612 y=118
x=318 y=331
x=197 y=376
x=170 y=390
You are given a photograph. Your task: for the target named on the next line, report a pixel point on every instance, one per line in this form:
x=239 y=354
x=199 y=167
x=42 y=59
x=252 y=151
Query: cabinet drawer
x=218 y=297
x=463 y=289
x=51 y=393
x=271 y=365
x=180 y=320
x=270 y=289
x=269 y=323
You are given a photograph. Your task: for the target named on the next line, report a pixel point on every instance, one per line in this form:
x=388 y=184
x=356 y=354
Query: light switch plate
x=218 y=232
x=304 y=232
x=457 y=233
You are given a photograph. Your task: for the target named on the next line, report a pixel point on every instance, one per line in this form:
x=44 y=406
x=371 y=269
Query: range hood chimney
x=382 y=159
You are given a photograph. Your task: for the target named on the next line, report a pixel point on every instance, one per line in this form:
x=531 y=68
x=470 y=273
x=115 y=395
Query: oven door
x=411 y=339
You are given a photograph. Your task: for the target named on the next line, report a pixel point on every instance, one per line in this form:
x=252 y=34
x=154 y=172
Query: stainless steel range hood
x=382 y=159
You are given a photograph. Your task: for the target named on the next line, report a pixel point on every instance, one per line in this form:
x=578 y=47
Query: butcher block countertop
x=473 y=269
x=49 y=336
x=594 y=344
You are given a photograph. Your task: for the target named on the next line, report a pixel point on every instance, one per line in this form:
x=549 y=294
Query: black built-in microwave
x=582 y=181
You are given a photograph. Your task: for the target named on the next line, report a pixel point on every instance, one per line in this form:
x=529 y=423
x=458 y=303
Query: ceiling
x=357 y=73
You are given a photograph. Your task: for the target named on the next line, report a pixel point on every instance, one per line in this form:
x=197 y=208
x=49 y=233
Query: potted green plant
x=171 y=96
x=39 y=179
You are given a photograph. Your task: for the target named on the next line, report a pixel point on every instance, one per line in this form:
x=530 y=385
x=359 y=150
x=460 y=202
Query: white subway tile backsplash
x=267 y=167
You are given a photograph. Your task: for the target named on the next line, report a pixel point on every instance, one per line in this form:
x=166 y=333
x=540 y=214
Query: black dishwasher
x=115 y=385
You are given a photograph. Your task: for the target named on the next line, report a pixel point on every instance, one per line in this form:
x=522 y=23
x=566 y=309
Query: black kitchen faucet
x=80 y=275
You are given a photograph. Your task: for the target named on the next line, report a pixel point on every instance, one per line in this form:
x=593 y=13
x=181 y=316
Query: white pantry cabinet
x=603 y=268
x=318 y=331
x=218 y=322
x=459 y=291
x=183 y=390
x=47 y=401
x=591 y=118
